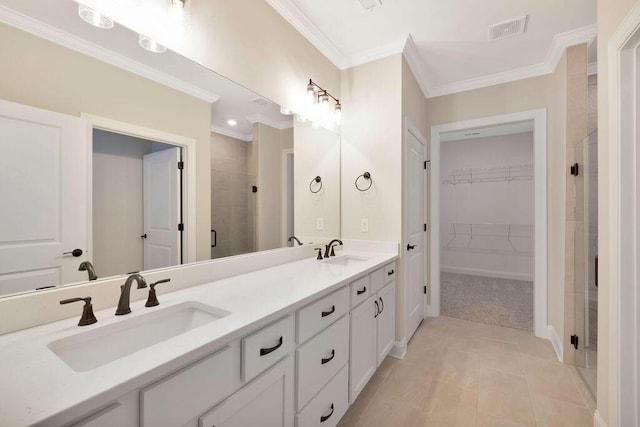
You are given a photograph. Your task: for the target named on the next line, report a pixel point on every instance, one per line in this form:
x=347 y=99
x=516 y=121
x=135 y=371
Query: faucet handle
x=87 y=318
x=152 y=300
x=319 y=252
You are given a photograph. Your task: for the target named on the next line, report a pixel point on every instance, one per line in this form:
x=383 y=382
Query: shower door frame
x=539 y=117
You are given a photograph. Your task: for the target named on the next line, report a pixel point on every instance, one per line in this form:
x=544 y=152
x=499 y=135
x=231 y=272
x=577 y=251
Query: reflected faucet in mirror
x=125 y=293
x=292 y=239
x=88 y=267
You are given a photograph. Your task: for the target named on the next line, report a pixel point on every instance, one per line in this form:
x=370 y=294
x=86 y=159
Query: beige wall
x=539 y=92
x=610 y=15
x=268 y=144
x=317 y=153
x=42 y=74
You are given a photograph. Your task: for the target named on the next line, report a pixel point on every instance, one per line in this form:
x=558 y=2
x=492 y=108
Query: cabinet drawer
x=328 y=407
x=108 y=417
x=389 y=273
x=376 y=280
x=320 y=359
x=186 y=394
x=360 y=291
x=320 y=314
x=264 y=348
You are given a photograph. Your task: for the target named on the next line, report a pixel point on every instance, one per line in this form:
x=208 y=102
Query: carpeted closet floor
x=500 y=302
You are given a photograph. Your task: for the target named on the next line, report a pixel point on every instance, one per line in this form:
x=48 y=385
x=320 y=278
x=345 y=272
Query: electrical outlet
x=320 y=224
x=364 y=225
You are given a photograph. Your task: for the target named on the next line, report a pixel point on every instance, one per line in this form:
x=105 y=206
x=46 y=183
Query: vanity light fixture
x=232 y=122
x=93 y=17
x=150 y=44
x=323 y=97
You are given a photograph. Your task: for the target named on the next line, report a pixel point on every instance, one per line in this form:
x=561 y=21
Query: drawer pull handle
x=265 y=351
x=330 y=312
x=391 y=273
x=377 y=309
x=330 y=358
x=361 y=291
x=324 y=418
x=381 y=305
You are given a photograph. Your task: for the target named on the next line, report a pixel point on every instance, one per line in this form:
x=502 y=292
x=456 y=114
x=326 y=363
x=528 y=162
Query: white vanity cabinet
x=266 y=402
x=372 y=328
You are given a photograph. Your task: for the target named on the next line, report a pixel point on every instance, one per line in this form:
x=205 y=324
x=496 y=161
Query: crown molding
x=564 y=40
x=592 y=68
x=259 y=118
x=410 y=53
x=231 y=134
x=55 y=35
x=370 y=55
x=301 y=22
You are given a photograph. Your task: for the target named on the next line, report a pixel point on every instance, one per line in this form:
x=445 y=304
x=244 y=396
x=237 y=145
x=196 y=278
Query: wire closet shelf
x=491 y=238
x=496 y=174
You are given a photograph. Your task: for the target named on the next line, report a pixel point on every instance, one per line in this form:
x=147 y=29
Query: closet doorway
x=488 y=221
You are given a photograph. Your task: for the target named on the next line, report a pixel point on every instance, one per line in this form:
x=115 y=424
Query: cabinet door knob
x=330 y=312
x=324 y=418
x=329 y=359
x=265 y=351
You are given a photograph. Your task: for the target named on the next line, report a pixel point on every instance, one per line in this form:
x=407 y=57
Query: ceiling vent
x=260 y=101
x=508 y=29
x=370 y=4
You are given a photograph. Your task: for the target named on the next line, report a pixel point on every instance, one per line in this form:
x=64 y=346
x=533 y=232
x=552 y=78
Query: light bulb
x=94 y=17
x=150 y=44
x=232 y=122
x=178 y=3
x=337 y=112
x=311 y=93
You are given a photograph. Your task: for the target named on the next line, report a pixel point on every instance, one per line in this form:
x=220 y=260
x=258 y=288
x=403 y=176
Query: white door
x=43 y=213
x=265 y=402
x=161 y=193
x=414 y=251
x=362 y=363
x=386 y=320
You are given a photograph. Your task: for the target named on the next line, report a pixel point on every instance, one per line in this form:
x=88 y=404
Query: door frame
x=410 y=128
x=188 y=146
x=539 y=117
x=285 y=152
x=623 y=225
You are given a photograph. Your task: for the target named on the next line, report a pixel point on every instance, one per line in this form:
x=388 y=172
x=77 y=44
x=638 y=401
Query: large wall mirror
x=115 y=159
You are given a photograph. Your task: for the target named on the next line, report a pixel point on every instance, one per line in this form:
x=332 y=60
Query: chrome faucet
x=292 y=238
x=88 y=267
x=329 y=251
x=125 y=292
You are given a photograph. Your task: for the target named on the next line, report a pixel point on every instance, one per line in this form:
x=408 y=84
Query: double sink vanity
x=291 y=344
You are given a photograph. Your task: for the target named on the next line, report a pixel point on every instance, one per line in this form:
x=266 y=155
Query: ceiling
x=445 y=41
x=58 y=21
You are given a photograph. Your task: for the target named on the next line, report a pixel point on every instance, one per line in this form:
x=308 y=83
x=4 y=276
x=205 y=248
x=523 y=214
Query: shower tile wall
x=232 y=201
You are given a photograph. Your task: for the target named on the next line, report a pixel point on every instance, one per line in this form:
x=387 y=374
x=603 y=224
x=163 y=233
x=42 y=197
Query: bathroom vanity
x=292 y=344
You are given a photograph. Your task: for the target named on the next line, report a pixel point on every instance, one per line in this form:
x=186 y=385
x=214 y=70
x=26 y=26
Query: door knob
x=409 y=247
x=144 y=236
x=76 y=253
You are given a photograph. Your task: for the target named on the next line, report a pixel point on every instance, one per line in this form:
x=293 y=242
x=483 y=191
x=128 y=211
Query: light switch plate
x=320 y=224
x=364 y=225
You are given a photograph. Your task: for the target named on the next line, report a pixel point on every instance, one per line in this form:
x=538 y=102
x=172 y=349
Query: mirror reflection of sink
x=346 y=260
x=88 y=350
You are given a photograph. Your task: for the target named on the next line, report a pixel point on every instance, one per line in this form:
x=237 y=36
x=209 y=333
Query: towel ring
x=366 y=176
x=316 y=179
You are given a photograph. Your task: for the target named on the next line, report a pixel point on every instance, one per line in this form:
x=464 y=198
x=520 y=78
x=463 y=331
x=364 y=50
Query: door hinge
x=254 y=189
x=574 y=341
x=425 y=227
x=424 y=290
x=425 y=164
x=575 y=170
x=180 y=165
x=181 y=227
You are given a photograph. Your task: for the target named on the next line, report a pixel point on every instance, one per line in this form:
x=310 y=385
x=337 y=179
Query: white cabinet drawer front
x=264 y=348
x=320 y=359
x=108 y=417
x=389 y=273
x=360 y=291
x=328 y=407
x=376 y=280
x=320 y=314
x=186 y=394
x=266 y=402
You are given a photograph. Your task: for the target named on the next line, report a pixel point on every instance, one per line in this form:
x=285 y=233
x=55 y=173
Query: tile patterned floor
x=462 y=373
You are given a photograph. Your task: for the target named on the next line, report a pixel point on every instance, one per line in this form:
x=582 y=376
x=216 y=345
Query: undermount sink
x=346 y=260
x=96 y=347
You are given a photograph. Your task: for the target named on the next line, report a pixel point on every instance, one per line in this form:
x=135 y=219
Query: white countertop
x=37 y=385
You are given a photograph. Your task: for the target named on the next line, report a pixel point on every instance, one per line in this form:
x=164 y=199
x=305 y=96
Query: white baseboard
x=556 y=342
x=597 y=420
x=509 y=275
x=399 y=349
